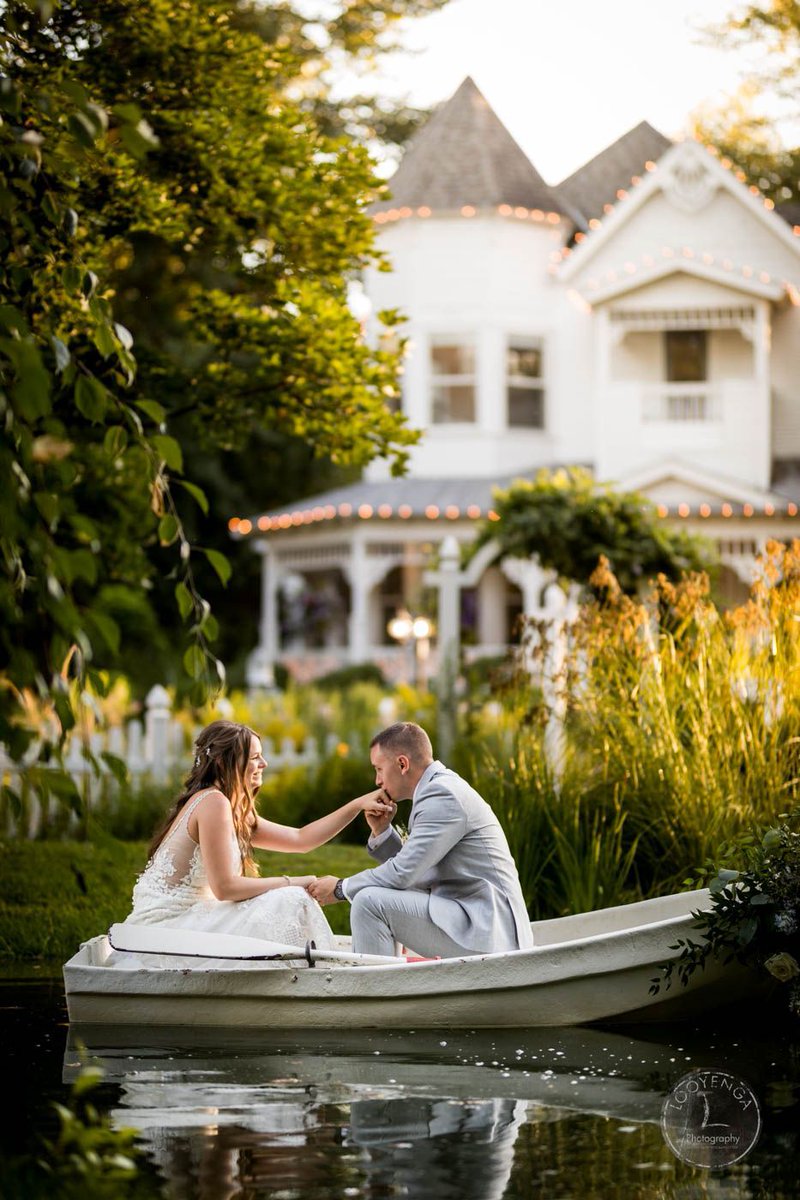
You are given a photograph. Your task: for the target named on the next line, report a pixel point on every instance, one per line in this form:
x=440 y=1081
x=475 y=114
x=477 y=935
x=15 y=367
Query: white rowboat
x=590 y=967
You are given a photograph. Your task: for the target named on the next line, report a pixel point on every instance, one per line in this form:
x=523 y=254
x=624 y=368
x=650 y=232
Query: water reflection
x=372 y=1114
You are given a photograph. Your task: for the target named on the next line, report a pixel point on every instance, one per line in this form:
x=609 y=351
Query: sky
x=567 y=79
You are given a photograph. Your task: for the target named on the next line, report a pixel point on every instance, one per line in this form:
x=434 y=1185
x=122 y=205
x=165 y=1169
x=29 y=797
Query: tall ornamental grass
x=682 y=730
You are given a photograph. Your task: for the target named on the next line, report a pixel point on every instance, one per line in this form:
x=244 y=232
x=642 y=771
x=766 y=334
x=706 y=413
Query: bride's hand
x=378 y=809
x=301 y=880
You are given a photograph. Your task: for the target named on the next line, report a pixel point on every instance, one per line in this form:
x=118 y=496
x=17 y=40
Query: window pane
x=686 y=355
x=525 y=361
x=453 y=360
x=453 y=402
x=526 y=407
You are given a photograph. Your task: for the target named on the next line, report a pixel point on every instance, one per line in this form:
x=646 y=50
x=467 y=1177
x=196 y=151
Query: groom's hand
x=322 y=889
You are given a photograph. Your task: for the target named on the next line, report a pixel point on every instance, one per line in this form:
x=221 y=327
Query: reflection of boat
x=590 y=967
x=181 y=1071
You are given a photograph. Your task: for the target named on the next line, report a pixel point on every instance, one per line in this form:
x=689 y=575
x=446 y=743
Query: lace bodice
x=175 y=877
x=174 y=890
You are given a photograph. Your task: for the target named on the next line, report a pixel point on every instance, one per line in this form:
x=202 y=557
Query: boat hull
x=589 y=968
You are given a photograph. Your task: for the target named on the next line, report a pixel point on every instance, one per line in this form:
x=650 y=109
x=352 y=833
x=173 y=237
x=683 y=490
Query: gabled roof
x=597 y=182
x=705 y=173
x=464 y=155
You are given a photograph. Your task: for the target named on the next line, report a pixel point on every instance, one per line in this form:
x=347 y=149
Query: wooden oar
x=189 y=943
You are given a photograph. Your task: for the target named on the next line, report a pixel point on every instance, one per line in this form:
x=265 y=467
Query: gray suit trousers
x=383 y=919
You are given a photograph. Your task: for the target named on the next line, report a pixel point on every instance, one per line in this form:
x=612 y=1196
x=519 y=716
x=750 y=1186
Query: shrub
x=345 y=677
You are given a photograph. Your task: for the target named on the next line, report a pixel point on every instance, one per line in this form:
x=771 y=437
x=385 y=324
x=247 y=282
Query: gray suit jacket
x=456 y=851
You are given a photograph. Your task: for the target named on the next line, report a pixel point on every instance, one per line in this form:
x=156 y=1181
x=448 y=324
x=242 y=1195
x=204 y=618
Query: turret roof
x=464 y=155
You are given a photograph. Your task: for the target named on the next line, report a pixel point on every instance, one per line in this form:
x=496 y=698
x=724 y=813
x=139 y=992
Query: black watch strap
x=338 y=890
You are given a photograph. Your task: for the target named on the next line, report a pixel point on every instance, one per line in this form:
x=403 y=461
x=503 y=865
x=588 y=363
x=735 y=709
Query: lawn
x=55 y=895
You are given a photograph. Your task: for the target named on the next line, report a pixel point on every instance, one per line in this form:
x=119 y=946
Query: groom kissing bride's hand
x=450 y=888
x=380 y=810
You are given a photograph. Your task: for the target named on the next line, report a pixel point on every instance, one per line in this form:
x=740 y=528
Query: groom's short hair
x=404 y=737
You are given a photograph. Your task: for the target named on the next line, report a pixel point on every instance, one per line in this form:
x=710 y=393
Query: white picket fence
x=155 y=751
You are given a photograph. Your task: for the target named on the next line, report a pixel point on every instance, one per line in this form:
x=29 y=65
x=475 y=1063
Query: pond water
x=467 y=1114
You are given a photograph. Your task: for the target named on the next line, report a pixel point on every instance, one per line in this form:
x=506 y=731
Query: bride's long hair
x=221 y=757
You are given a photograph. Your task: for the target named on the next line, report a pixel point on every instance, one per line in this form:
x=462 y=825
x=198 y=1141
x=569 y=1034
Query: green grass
x=55 y=895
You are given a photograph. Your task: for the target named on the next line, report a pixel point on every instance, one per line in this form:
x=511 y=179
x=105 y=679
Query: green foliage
x=740 y=128
x=158 y=190
x=344 y=677
x=755 y=911
x=569 y=522
x=682 y=730
x=89 y=1159
x=88 y=1149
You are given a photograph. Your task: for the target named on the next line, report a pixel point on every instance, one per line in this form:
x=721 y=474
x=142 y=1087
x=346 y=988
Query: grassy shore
x=55 y=895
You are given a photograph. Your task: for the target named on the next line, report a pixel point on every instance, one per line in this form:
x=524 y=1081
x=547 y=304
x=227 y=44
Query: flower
x=783 y=966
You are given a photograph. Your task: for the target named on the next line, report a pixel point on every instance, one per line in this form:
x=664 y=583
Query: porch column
x=360 y=587
x=762 y=424
x=449 y=582
x=259 y=670
x=364 y=572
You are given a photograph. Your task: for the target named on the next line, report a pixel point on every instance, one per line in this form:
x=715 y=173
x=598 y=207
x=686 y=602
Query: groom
x=452 y=887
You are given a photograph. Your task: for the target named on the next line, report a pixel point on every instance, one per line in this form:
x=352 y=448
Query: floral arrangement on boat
x=755 y=912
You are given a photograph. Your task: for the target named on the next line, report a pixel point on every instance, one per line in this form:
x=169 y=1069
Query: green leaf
x=107 y=627
x=168 y=449
x=12 y=318
x=184 y=599
x=196 y=493
x=104 y=340
x=194 y=661
x=211 y=628
x=168 y=529
x=220 y=564
x=117 y=766
x=71 y=278
x=91 y=398
x=49 y=506
x=82 y=128
x=153 y=410
x=31 y=388
x=115 y=441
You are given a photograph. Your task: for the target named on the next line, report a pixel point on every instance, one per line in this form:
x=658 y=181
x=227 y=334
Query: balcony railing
x=681 y=403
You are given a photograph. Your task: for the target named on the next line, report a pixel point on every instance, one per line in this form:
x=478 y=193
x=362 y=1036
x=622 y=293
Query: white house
x=642 y=318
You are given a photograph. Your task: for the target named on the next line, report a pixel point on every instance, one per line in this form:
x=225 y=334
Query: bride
x=200 y=874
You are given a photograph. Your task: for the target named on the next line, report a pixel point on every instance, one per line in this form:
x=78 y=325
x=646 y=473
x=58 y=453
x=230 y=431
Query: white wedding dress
x=173 y=890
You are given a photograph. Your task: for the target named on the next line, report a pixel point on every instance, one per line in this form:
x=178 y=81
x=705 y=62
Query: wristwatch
x=338 y=890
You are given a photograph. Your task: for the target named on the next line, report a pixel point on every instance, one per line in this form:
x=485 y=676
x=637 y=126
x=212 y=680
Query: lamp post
x=409 y=630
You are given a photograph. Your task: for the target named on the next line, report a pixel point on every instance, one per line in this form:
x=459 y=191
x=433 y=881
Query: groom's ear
x=404 y=763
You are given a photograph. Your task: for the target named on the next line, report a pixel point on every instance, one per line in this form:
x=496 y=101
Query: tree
x=568 y=522
x=738 y=129
x=159 y=192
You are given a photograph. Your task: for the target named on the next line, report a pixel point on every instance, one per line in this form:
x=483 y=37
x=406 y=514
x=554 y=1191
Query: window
x=686 y=352
x=453 y=371
x=525 y=384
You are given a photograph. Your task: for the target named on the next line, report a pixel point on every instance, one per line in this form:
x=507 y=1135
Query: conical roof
x=465 y=155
